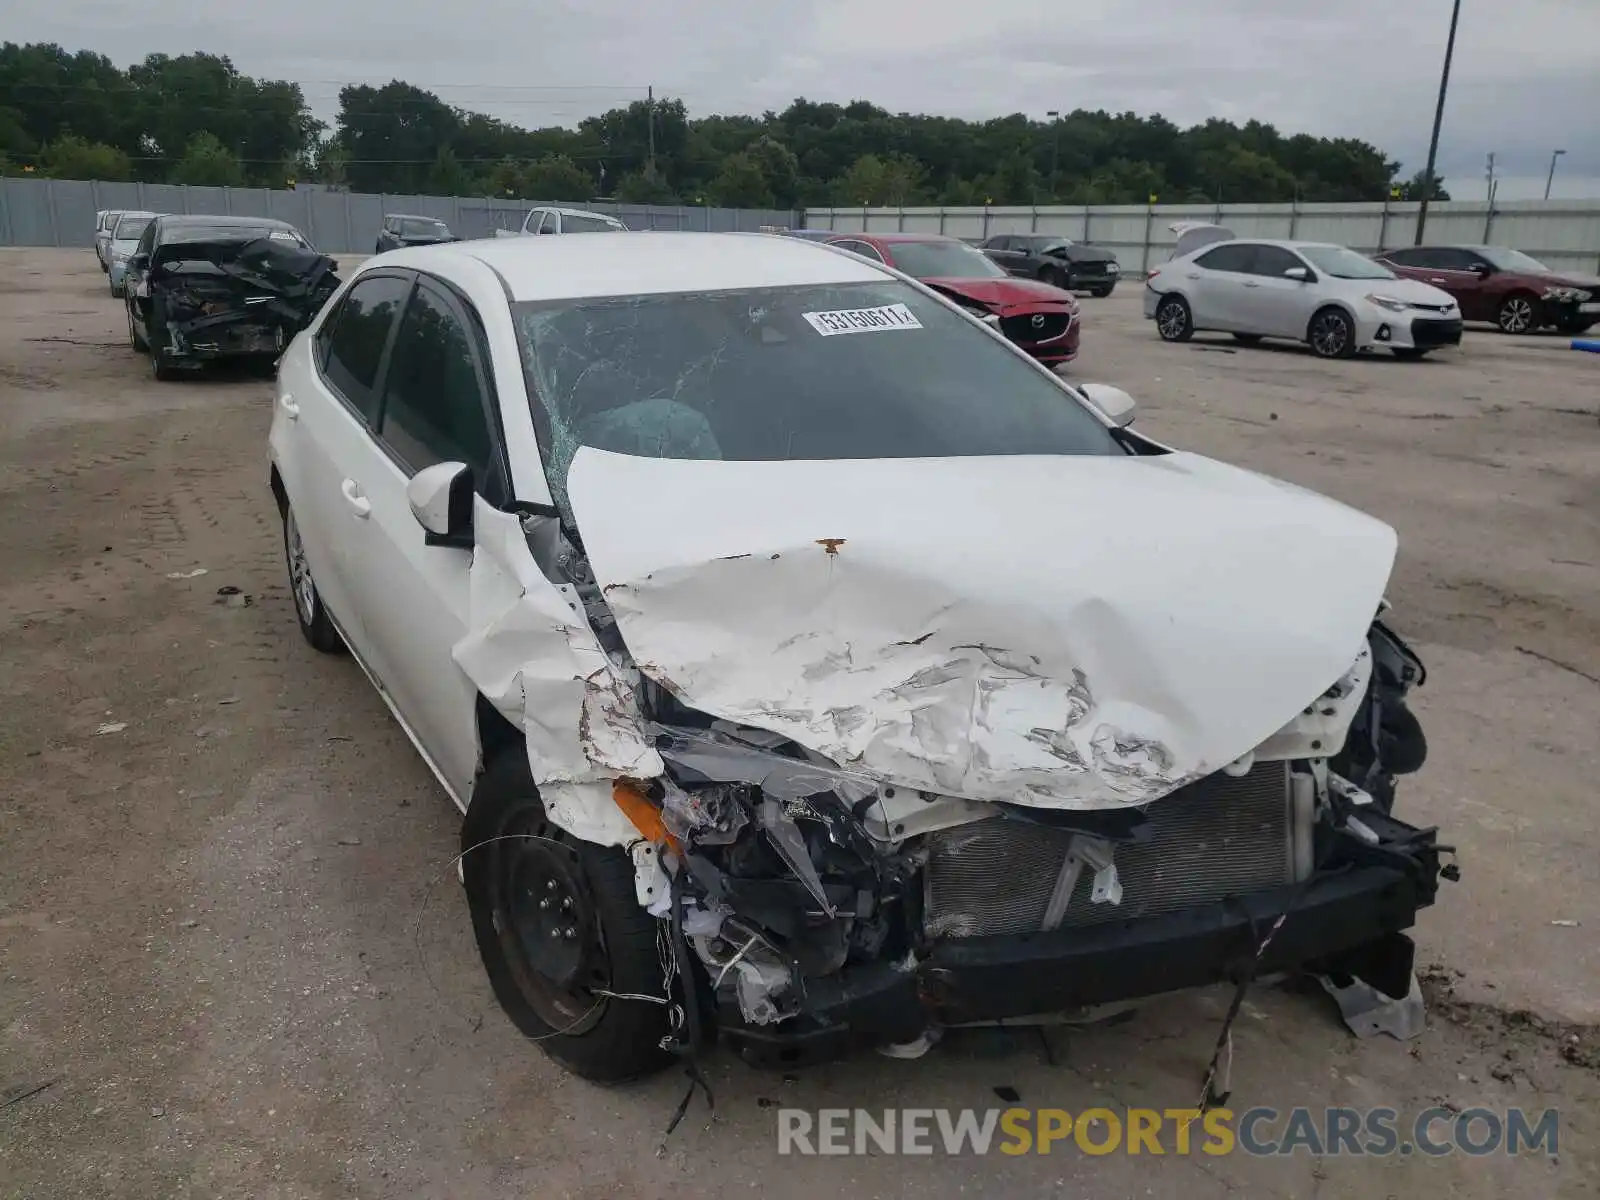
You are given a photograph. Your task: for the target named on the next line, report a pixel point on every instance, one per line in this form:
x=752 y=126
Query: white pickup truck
x=563 y=220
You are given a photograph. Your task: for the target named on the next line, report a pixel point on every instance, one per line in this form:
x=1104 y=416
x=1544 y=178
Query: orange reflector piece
x=646 y=817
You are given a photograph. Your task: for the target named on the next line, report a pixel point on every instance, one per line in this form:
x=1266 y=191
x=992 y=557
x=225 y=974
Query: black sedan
x=1058 y=261
x=400 y=229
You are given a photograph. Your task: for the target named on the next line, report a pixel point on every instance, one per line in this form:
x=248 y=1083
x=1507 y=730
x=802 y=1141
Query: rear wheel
x=1331 y=334
x=1174 y=322
x=315 y=624
x=561 y=932
x=1518 y=313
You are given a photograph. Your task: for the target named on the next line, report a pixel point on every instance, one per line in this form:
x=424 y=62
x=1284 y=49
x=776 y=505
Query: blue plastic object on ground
x=1592 y=345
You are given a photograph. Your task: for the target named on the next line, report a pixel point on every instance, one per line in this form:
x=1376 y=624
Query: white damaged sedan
x=813 y=669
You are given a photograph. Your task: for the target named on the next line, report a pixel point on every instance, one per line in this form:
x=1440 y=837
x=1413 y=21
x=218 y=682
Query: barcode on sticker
x=863 y=320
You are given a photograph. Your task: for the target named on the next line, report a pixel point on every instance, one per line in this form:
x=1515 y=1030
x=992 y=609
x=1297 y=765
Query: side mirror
x=1113 y=403
x=441 y=500
x=138 y=262
x=1482 y=270
x=1299 y=273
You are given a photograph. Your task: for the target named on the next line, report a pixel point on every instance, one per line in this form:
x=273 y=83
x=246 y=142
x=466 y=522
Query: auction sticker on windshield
x=863 y=320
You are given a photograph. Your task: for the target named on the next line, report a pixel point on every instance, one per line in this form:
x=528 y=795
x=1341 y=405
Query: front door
x=1272 y=303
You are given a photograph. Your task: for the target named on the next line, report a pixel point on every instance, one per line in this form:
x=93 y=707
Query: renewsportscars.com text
x=1376 y=1132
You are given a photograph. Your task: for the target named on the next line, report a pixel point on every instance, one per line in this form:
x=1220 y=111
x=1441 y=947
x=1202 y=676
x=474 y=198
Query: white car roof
x=650 y=263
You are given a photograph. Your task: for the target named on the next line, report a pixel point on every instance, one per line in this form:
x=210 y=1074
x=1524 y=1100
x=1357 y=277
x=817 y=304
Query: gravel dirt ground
x=234 y=960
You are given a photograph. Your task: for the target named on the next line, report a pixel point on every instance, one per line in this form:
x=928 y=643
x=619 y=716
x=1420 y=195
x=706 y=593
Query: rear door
x=1010 y=251
x=1214 y=281
x=330 y=438
x=437 y=405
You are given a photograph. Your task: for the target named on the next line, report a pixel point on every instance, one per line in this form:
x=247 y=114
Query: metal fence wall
x=60 y=212
x=1564 y=234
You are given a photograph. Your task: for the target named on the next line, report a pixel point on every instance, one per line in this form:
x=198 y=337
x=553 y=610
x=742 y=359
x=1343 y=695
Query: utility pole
x=1438 y=120
x=650 y=121
x=1055 y=148
x=1551 y=178
x=1489 y=176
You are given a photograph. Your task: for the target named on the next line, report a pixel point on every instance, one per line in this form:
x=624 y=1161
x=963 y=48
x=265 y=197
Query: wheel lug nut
x=544 y=904
x=566 y=905
x=569 y=933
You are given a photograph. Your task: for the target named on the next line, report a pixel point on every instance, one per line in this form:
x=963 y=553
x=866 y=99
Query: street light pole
x=1055 y=147
x=1550 y=178
x=1438 y=120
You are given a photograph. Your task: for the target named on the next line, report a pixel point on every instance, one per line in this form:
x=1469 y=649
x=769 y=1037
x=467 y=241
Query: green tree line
x=195 y=119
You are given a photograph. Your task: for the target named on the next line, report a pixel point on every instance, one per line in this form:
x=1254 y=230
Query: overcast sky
x=1526 y=78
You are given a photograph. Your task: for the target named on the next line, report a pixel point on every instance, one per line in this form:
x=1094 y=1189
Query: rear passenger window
x=433 y=409
x=359 y=330
x=1227 y=258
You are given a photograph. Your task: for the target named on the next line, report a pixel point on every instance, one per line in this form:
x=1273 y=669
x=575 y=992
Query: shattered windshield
x=852 y=370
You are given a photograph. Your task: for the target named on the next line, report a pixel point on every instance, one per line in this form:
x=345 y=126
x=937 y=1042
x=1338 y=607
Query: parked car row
x=959 y=761
x=1040 y=318
x=1339 y=302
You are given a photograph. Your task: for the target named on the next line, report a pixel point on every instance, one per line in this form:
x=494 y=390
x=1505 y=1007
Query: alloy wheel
x=1330 y=334
x=1171 y=319
x=305 y=592
x=1516 y=314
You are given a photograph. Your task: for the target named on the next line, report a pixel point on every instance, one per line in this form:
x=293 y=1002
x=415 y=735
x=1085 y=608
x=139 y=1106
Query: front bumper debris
x=1367 y=892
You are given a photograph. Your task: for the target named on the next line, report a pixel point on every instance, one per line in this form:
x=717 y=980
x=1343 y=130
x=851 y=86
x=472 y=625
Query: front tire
x=1101 y=292
x=1332 y=334
x=1518 y=313
x=558 y=926
x=134 y=338
x=1174 y=321
x=315 y=624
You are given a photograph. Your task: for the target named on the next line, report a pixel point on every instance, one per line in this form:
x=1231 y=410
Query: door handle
x=359 y=504
x=1192 y=275
x=290 y=408
x=1436 y=281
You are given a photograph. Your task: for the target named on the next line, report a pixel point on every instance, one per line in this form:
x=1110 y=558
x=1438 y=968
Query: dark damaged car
x=201 y=289
x=814 y=670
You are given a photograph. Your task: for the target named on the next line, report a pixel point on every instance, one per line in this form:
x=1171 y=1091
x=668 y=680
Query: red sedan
x=1038 y=318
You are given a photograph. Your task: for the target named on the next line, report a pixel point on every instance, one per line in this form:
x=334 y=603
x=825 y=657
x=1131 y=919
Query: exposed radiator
x=1221 y=836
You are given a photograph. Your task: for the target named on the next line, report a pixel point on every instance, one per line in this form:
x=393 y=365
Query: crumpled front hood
x=1006 y=293
x=1080 y=632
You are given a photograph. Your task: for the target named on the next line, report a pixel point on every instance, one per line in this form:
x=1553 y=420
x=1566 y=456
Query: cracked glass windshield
x=857 y=370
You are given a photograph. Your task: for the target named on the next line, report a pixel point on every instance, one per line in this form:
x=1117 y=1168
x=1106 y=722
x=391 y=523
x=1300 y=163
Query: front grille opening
x=1219 y=837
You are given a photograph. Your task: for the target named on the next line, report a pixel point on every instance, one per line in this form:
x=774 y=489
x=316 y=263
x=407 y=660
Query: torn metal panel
x=233 y=295
x=531 y=652
x=1077 y=634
